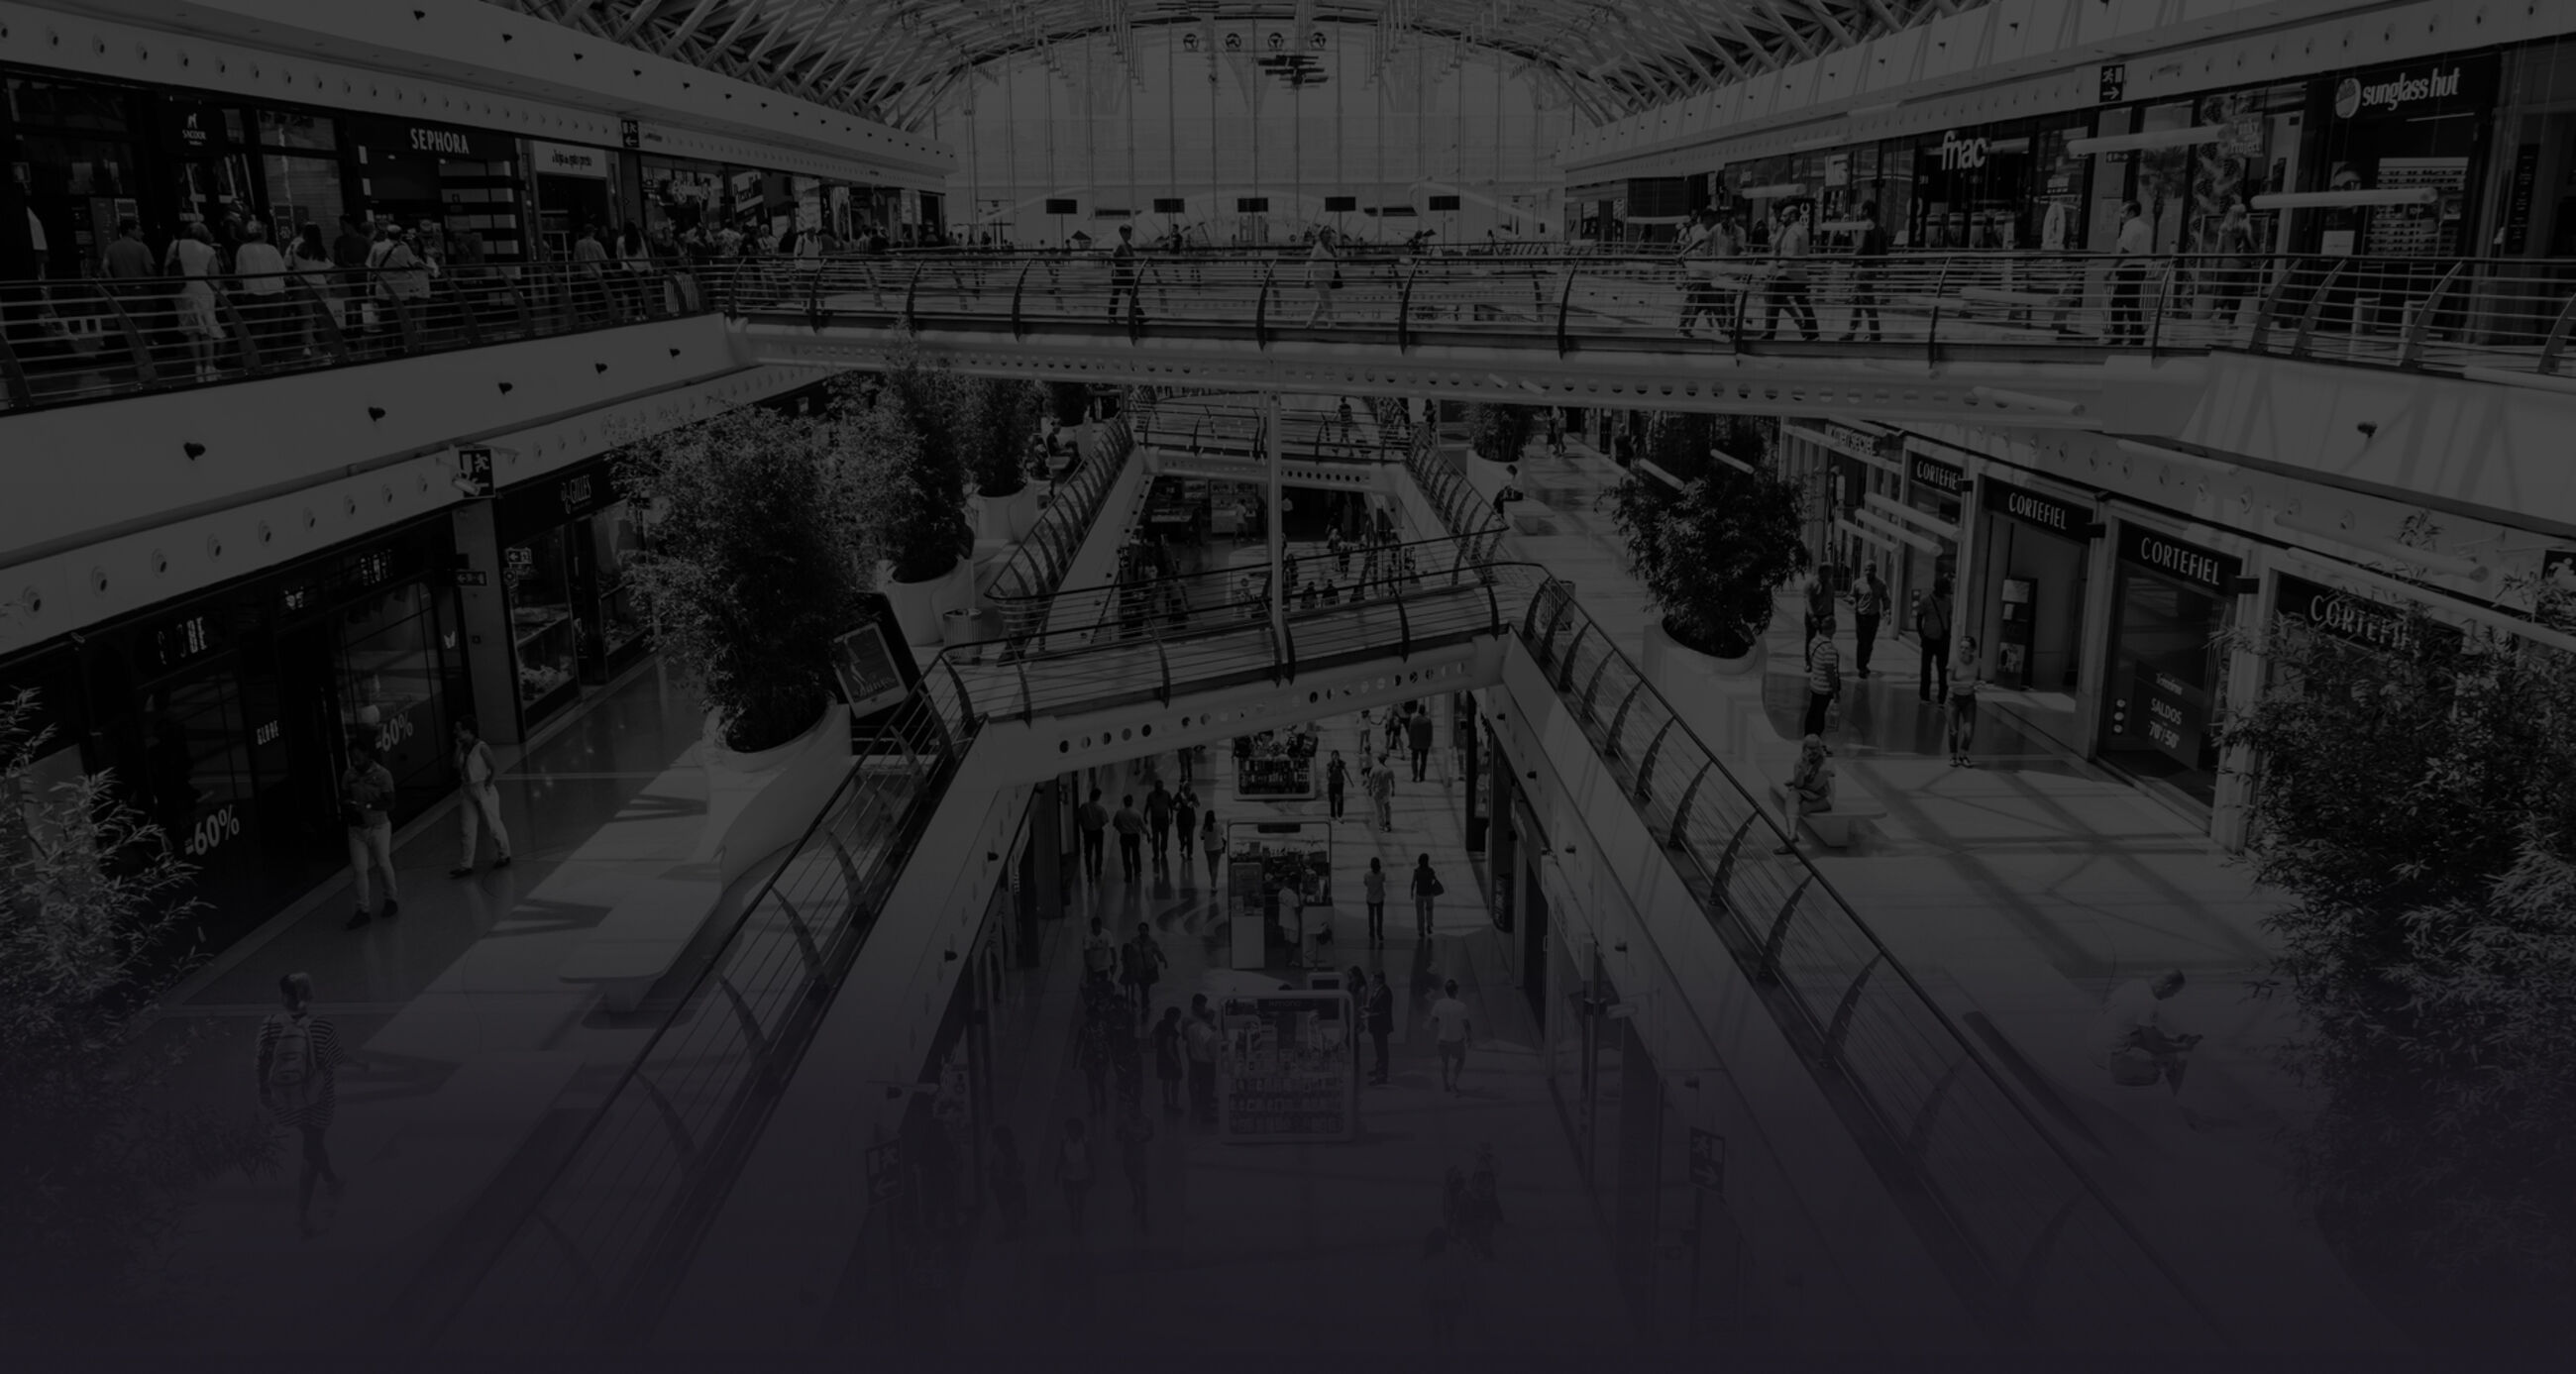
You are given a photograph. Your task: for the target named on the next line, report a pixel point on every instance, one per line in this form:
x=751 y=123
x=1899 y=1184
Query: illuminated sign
x=2207 y=569
x=1963 y=153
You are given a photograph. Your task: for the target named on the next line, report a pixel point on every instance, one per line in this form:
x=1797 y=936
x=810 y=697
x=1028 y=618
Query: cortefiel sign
x=2062 y=518
x=2207 y=569
x=2352 y=617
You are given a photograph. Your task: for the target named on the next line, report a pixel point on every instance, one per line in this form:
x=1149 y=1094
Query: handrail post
x=1654 y=747
x=2411 y=353
x=1162 y=655
x=1404 y=308
x=1403 y=622
x=2164 y=295
x=1932 y=333
x=144 y=370
x=1681 y=810
x=1261 y=308
x=2265 y=309
x=249 y=346
x=13 y=378
x=1284 y=653
x=2316 y=309
x=814 y=301
x=1564 y=306
x=1778 y=939
x=2557 y=343
x=911 y=294
x=1019 y=291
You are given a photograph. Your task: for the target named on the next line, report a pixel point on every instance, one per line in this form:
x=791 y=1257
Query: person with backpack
x=476 y=774
x=366 y=811
x=1932 y=627
x=297 y=1066
x=1426 y=887
x=1073 y=1169
x=1171 y=1058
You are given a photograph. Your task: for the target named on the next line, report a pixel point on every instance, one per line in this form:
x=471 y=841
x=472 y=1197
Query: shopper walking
x=1092 y=820
x=1212 y=844
x=1337 y=777
x=1099 y=956
x=1135 y=1159
x=1199 y=1037
x=366 y=811
x=1426 y=887
x=1869 y=606
x=1010 y=1183
x=1932 y=631
x=1073 y=1169
x=1381 y=786
x=1323 y=277
x=261 y=270
x=1131 y=838
x=1395 y=727
x=1143 y=960
x=1451 y=1026
x=479 y=796
x=1789 y=278
x=297 y=1067
x=1158 y=822
x=1373 y=886
x=1868 y=257
x=1824 y=680
x=1417 y=734
x=1185 y=819
x=1963 y=703
x=1171 y=1058
x=1379 y=1017
x=2233 y=272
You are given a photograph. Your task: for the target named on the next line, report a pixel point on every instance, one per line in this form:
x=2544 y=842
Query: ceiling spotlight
x=599 y=367
x=375 y=412
x=193 y=449
x=505 y=388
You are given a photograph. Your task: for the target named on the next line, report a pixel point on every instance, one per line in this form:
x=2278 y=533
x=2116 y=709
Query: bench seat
x=641 y=939
x=1833 y=827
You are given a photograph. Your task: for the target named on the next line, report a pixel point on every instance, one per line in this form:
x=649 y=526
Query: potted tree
x=1000 y=420
x=901 y=433
x=1711 y=551
x=1498 y=433
x=752 y=572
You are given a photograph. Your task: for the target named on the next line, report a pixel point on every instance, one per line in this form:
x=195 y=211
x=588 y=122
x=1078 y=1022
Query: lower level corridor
x=1215 y=1246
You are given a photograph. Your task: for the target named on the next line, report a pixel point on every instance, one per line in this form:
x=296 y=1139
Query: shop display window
x=298 y=129
x=2165 y=683
x=541 y=625
x=197 y=774
x=302 y=191
x=390 y=668
x=70 y=105
x=616 y=537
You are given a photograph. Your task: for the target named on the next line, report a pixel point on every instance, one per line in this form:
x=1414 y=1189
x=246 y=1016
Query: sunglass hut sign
x=2357 y=97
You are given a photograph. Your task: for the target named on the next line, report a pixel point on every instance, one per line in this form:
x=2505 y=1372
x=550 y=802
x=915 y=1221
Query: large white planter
x=759 y=803
x=993 y=518
x=919 y=606
x=1719 y=700
x=1026 y=507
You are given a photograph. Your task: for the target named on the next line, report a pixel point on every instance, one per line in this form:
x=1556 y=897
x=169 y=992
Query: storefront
x=2173 y=602
x=458 y=179
x=1841 y=464
x=1936 y=488
x=227 y=717
x=2025 y=600
x=573 y=622
x=576 y=189
x=2425 y=123
x=1996 y=187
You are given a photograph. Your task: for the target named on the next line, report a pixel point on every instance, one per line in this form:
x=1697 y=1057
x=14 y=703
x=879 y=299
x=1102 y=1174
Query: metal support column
x=1274 y=521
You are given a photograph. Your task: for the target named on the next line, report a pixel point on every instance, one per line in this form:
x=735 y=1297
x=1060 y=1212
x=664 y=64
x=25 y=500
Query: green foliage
x=2418 y=806
x=999 y=418
x=753 y=565
x=908 y=431
x=1498 y=432
x=93 y=1175
x=1711 y=553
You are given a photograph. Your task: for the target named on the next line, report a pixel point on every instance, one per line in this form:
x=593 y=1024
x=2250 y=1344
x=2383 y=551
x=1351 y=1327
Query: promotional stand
x=1287 y=1071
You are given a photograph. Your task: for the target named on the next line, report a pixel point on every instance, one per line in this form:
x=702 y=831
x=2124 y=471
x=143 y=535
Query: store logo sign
x=2386 y=97
x=2204 y=568
x=1946 y=478
x=441 y=141
x=1960 y=154
x=2062 y=518
x=2352 y=618
x=576 y=494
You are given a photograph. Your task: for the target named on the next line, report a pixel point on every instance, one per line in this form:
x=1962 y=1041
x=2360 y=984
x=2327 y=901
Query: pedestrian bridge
x=2056 y=339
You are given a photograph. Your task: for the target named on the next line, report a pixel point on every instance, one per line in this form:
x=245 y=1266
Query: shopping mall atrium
x=797 y=646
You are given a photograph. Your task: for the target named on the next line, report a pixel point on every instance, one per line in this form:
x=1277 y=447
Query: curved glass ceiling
x=891 y=59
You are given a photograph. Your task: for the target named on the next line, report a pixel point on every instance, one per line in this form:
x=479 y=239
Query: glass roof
x=890 y=59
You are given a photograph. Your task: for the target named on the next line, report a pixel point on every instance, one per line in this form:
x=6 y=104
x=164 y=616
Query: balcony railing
x=2504 y=315
x=63 y=342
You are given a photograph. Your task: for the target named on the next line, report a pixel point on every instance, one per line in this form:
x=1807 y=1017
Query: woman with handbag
x=1426 y=887
x=1810 y=790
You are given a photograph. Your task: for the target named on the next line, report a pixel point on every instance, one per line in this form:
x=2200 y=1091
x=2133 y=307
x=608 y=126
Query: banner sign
x=2062 y=518
x=2207 y=569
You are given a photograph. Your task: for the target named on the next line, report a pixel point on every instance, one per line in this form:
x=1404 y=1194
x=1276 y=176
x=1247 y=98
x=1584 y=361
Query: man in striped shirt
x=1824 y=679
x=298 y=1064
